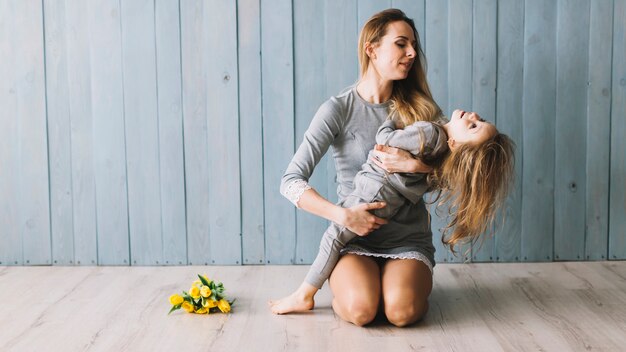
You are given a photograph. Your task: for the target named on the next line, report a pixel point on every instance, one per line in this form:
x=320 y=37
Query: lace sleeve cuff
x=294 y=190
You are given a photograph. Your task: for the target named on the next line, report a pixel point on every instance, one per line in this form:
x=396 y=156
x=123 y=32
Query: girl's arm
x=410 y=138
x=396 y=148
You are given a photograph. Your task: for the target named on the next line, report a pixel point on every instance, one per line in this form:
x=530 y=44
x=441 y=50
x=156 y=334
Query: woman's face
x=394 y=55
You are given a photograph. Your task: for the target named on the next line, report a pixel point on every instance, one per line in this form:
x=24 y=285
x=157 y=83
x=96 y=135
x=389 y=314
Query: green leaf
x=203 y=280
x=176 y=307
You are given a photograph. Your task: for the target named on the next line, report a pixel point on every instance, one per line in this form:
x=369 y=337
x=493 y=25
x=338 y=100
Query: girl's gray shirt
x=349 y=124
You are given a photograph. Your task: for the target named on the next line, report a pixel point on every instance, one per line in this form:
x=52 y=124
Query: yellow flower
x=210 y=303
x=223 y=305
x=205 y=291
x=197 y=282
x=206 y=278
x=202 y=311
x=187 y=306
x=176 y=299
x=194 y=292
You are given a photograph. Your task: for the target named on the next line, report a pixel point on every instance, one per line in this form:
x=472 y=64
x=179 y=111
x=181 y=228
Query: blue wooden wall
x=155 y=132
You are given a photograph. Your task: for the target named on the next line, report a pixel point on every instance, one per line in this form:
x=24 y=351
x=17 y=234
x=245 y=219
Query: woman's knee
x=406 y=287
x=358 y=312
x=355 y=283
x=405 y=313
x=362 y=314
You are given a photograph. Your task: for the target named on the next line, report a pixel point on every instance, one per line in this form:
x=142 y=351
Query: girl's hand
x=397 y=160
x=360 y=221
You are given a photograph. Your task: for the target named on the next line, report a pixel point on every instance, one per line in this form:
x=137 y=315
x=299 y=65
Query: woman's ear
x=369 y=50
x=451 y=143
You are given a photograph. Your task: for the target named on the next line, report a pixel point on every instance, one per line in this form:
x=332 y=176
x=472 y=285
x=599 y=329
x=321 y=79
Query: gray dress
x=349 y=124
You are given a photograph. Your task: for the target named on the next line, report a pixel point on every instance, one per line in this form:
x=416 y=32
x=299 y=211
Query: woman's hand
x=397 y=160
x=360 y=221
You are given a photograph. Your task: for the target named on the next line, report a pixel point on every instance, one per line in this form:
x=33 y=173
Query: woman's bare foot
x=299 y=301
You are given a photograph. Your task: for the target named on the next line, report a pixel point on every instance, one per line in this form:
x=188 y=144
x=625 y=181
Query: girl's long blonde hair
x=411 y=97
x=474 y=180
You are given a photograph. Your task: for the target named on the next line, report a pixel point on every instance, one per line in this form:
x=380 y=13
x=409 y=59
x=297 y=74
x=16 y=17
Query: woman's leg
x=355 y=283
x=406 y=285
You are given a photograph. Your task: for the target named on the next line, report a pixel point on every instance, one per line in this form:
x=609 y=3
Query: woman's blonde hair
x=411 y=97
x=474 y=180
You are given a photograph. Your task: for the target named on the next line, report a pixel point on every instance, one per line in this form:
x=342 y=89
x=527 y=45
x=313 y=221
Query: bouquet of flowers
x=205 y=296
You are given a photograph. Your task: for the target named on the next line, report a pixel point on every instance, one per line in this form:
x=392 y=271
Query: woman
x=392 y=262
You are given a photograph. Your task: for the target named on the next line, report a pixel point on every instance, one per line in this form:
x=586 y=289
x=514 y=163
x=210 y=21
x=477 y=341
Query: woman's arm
x=357 y=218
x=325 y=126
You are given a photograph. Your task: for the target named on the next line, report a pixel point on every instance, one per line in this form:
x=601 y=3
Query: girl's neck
x=373 y=88
x=446 y=128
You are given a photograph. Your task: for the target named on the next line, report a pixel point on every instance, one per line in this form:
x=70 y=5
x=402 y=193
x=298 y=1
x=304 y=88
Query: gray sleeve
x=385 y=131
x=438 y=143
x=411 y=138
x=324 y=128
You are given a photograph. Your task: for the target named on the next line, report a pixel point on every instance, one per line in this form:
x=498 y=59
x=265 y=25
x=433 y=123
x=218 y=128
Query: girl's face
x=468 y=127
x=394 y=55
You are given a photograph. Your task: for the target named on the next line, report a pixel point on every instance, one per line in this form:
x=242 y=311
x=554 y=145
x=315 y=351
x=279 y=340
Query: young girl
x=473 y=166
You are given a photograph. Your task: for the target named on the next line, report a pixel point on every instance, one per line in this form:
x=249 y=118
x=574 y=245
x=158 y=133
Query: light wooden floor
x=474 y=307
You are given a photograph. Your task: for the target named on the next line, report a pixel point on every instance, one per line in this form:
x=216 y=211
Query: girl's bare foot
x=299 y=301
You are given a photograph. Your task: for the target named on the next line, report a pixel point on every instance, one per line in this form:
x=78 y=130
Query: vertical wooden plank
x=223 y=132
x=460 y=76
x=437 y=57
x=59 y=142
x=617 y=225
x=211 y=132
x=341 y=39
x=142 y=131
x=81 y=96
x=460 y=55
x=193 y=47
x=109 y=139
x=538 y=125
x=310 y=92
x=367 y=8
x=571 y=120
x=32 y=146
x=251 y=131
x=598 y=130
x=171 y=156
x=510 y=82
x=436 y=28
x=278 y=111
x=59 y=132
x=10 y=234
x=484 y=68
